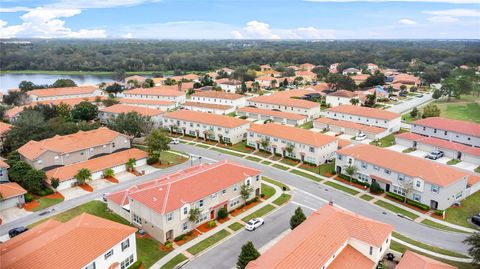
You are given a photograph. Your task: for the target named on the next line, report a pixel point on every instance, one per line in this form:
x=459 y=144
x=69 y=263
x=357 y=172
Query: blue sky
x=240 y=19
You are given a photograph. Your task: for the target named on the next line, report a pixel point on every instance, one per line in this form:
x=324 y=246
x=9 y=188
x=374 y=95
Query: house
x=137 y=78
x=149 y=103
x=226 y=70
x=13 y=195
x=366 y=116
x=68 y=149
x=85 y=241
x=329 y=238
x=271 y=73
x=360 y=78
x=3 y=171
x=63 y=93
x=372 y=68
x=407 y=79
x=412 y=260
x=70 y=101
x=108 y=114
x=308 y=76
x=333 y=68
x=209 y=108
x=307 y=66
x=463 y=132
x=4 y=128
x=351 y=71
x=164 y=93
x=265 y=67
x=272 y=115
x=220 y=98
x=341 y=97
x=349 y=128
x=433 y=184
x=13 y=113
x=162 y=206
x=228 y=85
x=296 y=143
x=96 y=166
x=286 y=104
x=266 y=81
x=209 y=126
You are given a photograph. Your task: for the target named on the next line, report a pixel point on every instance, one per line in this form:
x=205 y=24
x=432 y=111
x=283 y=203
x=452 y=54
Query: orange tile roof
x=436 y=142
x=121 y=108
x=307 y=65
x=360 y=77
x=267 y=78
x=68 y=101
x=406 y=79
x=457 y=126
x=294 y=134
x=5 y=127
x=145 y=102
x=96 y=164
x=427 y=170
x=305 y=74
x=283 y=101
x=412 y=260
x=157 y=91
x=206 y=105
x=295 y=93
x=11 y=189
x=4 y=164
x=27 y=236
x=352 y=125
x=12 y=112
x=351 y=257
x=171 y=192
x=228 y=81
x=73 y=244
x=273 y=113
x=365 y=112
x=63 y=91
x=343 y=93
x=319 y=237
x=218 y=94
x=206 y=118
x=320 y=87
x=68 y=143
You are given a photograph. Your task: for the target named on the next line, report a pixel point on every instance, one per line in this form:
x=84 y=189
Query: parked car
x=104 y=197
x=476 y=219
x=175 y=141
x=360 y=137
x=402 y=94
x=393 y=98
x=434 y=155
x=420 y=96
x=16 y=231
x=254 y=224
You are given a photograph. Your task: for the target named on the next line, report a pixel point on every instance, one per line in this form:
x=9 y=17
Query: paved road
x=410 y=104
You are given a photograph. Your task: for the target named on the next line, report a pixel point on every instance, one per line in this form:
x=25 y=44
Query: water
x=10 y=81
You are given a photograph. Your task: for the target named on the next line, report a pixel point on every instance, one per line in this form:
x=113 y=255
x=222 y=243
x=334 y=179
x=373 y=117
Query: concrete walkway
x=435 y=254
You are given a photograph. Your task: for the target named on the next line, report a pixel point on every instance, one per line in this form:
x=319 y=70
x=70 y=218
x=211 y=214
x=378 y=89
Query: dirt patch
x=405 y=204
x=358 y=186
x=165 y=249
x=187 y=238
x=203 y=227
x=30 y=206
x=112 y=179
x=135 y=172
x=145 y=235
x=86 y=187
x=238 y=211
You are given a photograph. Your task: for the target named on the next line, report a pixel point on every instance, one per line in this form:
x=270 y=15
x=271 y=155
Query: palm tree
x=289 y=149
x=351 y=170
x=245 y=191
x=130 y=164
x=194 y=215
x=354 y=101
x=265 y=143
x=108 y=173
x=83 y=175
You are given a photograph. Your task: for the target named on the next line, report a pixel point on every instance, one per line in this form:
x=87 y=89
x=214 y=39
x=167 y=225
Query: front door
x=433 y=204
x=212 y=214
x=459 y=155
x=169 y=235
x=387 y=187
x=302 y=157
x=257 y=192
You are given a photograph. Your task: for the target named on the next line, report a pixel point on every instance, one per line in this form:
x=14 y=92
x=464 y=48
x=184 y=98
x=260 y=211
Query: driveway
x=72 y=193
x=467 y=166
x=411 y=103
x=124 y=176
x=397 y=148
x=13 y=213
x=98 y=184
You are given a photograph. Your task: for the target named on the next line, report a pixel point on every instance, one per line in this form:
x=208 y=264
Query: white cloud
x=128 y=35
x=425 y=1
x=13 y=9
x=442 y=19
x=260 y=30
x=455 y=12
x=312 y=33
x=407 y=22
x=236 y=34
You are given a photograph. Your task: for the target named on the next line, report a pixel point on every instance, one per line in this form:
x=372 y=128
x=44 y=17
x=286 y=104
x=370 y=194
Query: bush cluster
x=409 y=201
x=153 y=159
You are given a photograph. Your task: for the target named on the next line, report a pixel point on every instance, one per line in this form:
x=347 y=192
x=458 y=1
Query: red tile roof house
x=154 y=104
x=286 y=104
x=69 y=149
x=329 y=238
x=407 y=79
x=228 y=85
x=307 y=146
x=435 y=185
x=85 y=241
x=265 y=67
x=108 y=114
x=206 y=125
x=163 y=93
x=463 y=132
x=349 y=128
x=4 y=128
x=64 y=93
x=208 y=108
x=220 y=98
x=307 y=66
x=412 y=260
x=272 y=115
x=161 y=207
x=3 y=171
x=266 y=81
x=307 y=76
x=341 y=97
x=366 y=116
x=13 y=195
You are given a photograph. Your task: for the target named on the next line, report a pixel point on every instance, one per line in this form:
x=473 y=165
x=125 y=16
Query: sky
x=241 y=19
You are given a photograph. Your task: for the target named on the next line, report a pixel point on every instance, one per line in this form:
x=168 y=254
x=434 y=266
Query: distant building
x=63 y=93
x=220 y=98
x=286 y=104
x=163 y=93
x=109 y=114
x=208 y=108
x=351 y=71
x=463 y=132
x=13 y=195
x=272 y=115
x=341 y=97
x=229 y=85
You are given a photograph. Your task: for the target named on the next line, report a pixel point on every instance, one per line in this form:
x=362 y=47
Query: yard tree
x=351 y=170
x=245 y=191
x=339 y=81
x=430 y=111
x=474 y=251
x=29 y=126
x=109 y=101
x=273 y=84
x=371 y=99
x=130 y=164
x=63 y=83
x=114 y=88
x=248 y=253
x=289 y=72
x=354 y=101
x=84 y=111
x=132 y=124
x=18 y=170
x=375 y=188
x=148 y=83
x=414 y=113
x=83 y=175
x=194 y=214
x=407 y=186
x=436 y=94
x=26 y=86
x=289 y=149
x=119 y=75
x=157 y=141
x=33 y=180
x=297 y=218
x=374 y=80
x=265 y=143
x=64 y=111
x=54 y=182
x=108 y=173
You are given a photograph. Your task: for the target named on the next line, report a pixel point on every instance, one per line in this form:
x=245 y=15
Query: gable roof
x=295 y=134
x=353 y=125
x=218 y=94
x=5 y=127
x=157 y=91
x=130 y=101
x=284 y=101
x=365 y=112
x=343 y=93
x=412 y=260
x=206 y=105
x=63 y=91
x=351 y=257
x=457 y=126
x=11 y=189
x=273 y=113
x=206 y=118
x=121 y=108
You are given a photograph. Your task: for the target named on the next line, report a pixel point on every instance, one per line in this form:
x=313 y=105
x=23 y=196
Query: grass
x=208 y=242
x=307 y=125
x=274 y=182
x=440 y=226
x=174 y=261
x=281 y=167
x=303 y=174
x=267 y=190
x=366 y=197
x=47 y=202
x=228 y=152
x=232 y=114
x=427 y=247
x=262 y=211
x=242 y=147
x=396 y=209
x=477 y=169
x=325 y=169
x=172 y=158
x=387 y=141
x=466 y=108
x=469 y=207
x=267 y=162
x=235 y=226
x=282 y=199
x=409 y=150
x=148 y=251
x=254 y=159
x=202 y=145
x=342 y=188
x=454 y=161
x=289 y=161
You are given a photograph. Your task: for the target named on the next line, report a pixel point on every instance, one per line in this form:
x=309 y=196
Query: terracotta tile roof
x=14 y=111
x=320 y=87
x=294 y=134
x=360 y=77
x=266 y=66
x=351 y=257
x=228 y=81
x=365 y=112
x=27 y=236
x=412 y=260
x=63 y=91
x=307 y=65
x=457 y=126
x=68 y=143
x=351 y=125
x=54 y=247
x=171 y=91
x=5 y=127
x=171 y=192
x=129 y=101
x=206 y=105
x=11 y=189
x=206 y=118
x=68 y=101
x=4 y=164
x=295 y=93
x=121 y=108
x=279 y=114
x=218 y=94
x=406 y=79
x=283 y=101
x=343 y=143
x=305 y=74
x=96 y=164
x=427 y=170
x=440 y=143
x=343 y=93
x=319 y=237
x=267 y=78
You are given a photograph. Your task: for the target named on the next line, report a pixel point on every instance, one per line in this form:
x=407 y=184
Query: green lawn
x=173 y=262
x=172 y=158
x=366 y=197
x=262 y=211
x=242 y=147
x=210 y=241
x=325 y=169
x=202 y=145
x=396 y=209
x=468 y=112
x=267 y=190
x=254 y=159
x=454 y=161
x=281 y=167
x=267 y=162
x=289 y=161
x=307 y=125
x=47 y=202
x=440 y=226
x=274 y=182
x=228 y=152
x=459 y=215
x=427 y=247
x=303 y=174
x=387 y=141
x=235 y=226
x=148 y=251
x=282 y=199
x=342 y=188
x=409 y=150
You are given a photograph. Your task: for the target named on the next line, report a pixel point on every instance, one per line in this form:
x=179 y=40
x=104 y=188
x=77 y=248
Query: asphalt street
x=410 y=104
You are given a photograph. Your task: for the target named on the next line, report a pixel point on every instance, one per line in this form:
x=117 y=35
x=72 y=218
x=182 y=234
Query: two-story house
x=463 y=132
x=296 y=143
x=349 y=128
x=110 y=113
x=341 y=97
x=219 y=98
x=149 y=103
x=162 y=206
x=272 y=115
x=163 y=93
x=63 y=93
x=286 y=104
x=209 y=108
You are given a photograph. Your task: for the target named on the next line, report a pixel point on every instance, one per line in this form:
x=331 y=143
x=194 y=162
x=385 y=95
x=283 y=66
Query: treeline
x=154 y=55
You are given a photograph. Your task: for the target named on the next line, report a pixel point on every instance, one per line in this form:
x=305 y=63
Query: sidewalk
x=435 y=254
x=238 y=218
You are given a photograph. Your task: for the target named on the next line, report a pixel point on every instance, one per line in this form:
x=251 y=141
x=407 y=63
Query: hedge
x=153 y=159
x=354 y=180
x=409 y=201
x=179 y=238
x=28 y=197
x=439 y=212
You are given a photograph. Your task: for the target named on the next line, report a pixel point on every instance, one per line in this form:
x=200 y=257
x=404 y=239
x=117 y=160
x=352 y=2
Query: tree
x=54 y=182
x=297 y=218
x=407 y=186
x=157 y=141
x=245 y=191
x=414 y=113
x=474 y=251
x=248 y=253
x=339 y=81
x=243 y=88
x=83 y=175
x=351 y=170
x=375 y=188
x=273 y=84
x=265 y=143
x=64 y=111
x=26 y=86
x=289 y=72
x=354 y=101
x=430 y=110
x=374 y=80
x=132 y=124
x=29 y=126
x=119 y=75
x=84 y=111
x=371 y=99
x=437 y=94
x=33 y=181
x=130 y=164
x=108 y=173
x=289 y=149
x=18 y=170
x=115 y=88
x=16 y=98
x=194 y=214
x=63 y=83
x=110 y=101
x=148 y=83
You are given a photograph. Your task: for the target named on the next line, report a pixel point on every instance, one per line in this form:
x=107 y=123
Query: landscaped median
x=396 y=209
x=260 y=212
x=174 y=262
x=208 y=242
x=341 y=188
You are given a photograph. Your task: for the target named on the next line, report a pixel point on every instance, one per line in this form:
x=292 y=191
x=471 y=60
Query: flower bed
x=223 y=220
x=354 y=184
x=204 y=227
x=410 y=203
x=187 y=237
x=240 y=210
x=86 y=187
x=111 y=179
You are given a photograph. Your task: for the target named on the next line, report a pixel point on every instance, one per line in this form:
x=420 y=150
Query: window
x=248 y=182
x=200 y=203
x=401 y=177
x=125 y=244
x=224 y=191
x=312 y=149
x=235 y=187
x=417 y=197
x=90 y=266
x=376 y=168
x=257 y=178
x=446 y=133
x=213 y=196
x=108 y=254
x=185 y=226
x=137 y=219
x=398 y=190
x=169 y=216
x=126 y=262
x=364 y=165
x=185 y=211
x=339 y=157
x=418 y=184
x=55 y=158
x=458 y=195
x=39 y=161
x=388 y=172
x=371 y=250
x=435 y=189
x=234 y=202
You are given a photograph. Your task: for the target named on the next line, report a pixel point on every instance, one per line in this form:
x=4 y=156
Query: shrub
x=48 y=191
x=243 y=117
x=417 y=204
x=375 y=188
x=439 y=212
x=211 y=224
x=41 y=193
x=135 y=265
x=153 y=159
x=222 y=213
x=178 y=238
x=262 y=195
x=189 y=233
x=28 y=197
x=395 y=196
x=354 y=180
x=168 y=245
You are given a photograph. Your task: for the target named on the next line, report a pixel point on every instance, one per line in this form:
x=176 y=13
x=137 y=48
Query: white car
x=254 y=224
x=175 y=141
x=360 y=137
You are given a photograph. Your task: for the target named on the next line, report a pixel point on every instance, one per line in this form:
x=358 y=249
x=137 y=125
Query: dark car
x=16 y=231
x=476 y=219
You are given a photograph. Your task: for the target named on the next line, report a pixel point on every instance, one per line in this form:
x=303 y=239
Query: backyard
x=468 y=208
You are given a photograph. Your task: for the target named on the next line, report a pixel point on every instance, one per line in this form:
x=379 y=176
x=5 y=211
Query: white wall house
x=156 y=93
x=272 y=115
x=462 y=132
x=64 y=93
x=109 y=114
x=208 y=108
x=286 y=104
x=13 y=195
x=341 y=97
x=220 y=98
x=149 y=103
x=349 y=128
